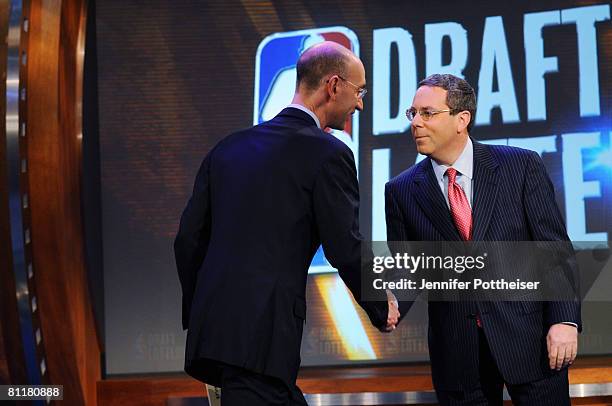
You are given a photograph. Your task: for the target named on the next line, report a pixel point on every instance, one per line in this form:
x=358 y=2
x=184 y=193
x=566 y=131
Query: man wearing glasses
x=264 y=200
x=465 y=190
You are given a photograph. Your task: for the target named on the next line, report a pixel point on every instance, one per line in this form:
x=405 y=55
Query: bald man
x=264 y=200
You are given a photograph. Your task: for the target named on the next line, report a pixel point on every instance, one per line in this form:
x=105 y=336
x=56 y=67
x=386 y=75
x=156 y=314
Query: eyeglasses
x=425 y=114
x=360 y=90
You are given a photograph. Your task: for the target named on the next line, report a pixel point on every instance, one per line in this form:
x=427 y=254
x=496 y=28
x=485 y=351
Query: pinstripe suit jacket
x=513 y=201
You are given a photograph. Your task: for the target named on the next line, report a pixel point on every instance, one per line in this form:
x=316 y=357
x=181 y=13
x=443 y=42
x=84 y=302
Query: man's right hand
x=393 y=315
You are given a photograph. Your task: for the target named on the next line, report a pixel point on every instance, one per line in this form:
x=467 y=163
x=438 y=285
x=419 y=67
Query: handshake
x=393 y=315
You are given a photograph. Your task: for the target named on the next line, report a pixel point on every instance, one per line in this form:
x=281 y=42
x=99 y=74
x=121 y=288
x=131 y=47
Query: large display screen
x=176 y=77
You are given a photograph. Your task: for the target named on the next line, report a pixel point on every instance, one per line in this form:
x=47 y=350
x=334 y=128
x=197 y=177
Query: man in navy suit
x=465 y=190
x=264 y=200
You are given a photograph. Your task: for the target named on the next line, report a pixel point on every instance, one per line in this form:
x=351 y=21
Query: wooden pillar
x=53 y=103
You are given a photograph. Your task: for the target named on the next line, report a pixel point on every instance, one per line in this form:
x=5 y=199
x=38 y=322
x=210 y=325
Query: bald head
x=321 y=60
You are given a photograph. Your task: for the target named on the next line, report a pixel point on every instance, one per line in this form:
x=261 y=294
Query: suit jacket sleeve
x=336 y=207
x=396 y=227
x=193 y=236
x=396 y=233
x=546 y=224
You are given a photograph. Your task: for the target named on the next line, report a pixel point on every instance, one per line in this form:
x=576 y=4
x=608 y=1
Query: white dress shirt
x=465 y=170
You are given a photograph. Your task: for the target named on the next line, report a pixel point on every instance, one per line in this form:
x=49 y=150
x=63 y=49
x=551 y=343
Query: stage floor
x=590 y=384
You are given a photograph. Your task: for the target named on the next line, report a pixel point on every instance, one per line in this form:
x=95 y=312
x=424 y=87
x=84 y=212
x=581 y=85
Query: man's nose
x=417 y=121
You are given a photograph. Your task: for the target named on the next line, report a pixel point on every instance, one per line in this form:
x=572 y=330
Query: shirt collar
x=307 y=111
x=464 y=164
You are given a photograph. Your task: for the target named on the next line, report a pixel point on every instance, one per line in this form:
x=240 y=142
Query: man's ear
x=464 y=118
x=332 y=87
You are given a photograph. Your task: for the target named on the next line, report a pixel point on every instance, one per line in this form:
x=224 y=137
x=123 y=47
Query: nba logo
x=275 y=75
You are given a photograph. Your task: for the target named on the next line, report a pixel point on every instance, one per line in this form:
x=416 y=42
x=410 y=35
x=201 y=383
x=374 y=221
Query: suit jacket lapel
x=432 y=202
x=485 y=189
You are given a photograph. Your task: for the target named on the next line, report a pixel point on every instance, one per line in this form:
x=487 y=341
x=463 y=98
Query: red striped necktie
x=459 y=206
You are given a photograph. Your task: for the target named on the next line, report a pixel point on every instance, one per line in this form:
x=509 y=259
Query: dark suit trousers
x=240 y=387
x=552 y=390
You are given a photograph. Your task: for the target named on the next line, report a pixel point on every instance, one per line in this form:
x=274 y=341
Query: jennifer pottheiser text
x=455 y=284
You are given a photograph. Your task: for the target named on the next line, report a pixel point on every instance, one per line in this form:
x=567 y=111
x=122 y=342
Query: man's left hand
x=562 y=344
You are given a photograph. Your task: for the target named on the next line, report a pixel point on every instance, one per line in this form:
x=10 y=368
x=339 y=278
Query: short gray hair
x=460 y=95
